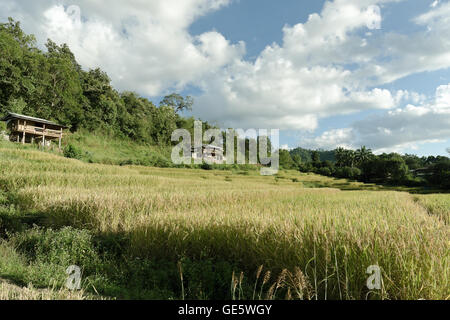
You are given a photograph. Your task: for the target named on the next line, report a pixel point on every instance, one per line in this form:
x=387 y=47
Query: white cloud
x=330 y=140
x=434 y=4
x=307 y=78
x=325 y=67
x=422 y=51
x=143 y=45
x=335 y=63
x=395 y=130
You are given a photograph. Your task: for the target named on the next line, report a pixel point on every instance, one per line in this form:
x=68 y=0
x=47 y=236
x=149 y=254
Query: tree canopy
x=52 y=85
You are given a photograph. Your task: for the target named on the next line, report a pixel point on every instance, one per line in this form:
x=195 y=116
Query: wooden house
x=25 y=129
x=209 y=152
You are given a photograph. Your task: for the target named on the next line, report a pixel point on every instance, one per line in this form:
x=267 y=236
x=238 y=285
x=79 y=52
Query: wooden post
x=24 y=134
x=43 y=137
x=60 y=138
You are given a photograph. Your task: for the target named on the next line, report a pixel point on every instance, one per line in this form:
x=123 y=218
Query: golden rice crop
x=332 y=236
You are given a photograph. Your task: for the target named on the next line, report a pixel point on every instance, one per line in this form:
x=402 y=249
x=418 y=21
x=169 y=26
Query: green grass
x=105 y=149
x=134 y=230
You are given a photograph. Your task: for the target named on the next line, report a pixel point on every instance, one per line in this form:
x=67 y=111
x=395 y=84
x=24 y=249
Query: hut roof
x=12 y=115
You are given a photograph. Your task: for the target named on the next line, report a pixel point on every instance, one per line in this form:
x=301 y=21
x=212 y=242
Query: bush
x=325 y=171
x=64 y=247
x=206 y=166
x=160 y=161
x=72 y=152
x=348 y=173
x=306 y=167
x=441 y=174
x=413 y=182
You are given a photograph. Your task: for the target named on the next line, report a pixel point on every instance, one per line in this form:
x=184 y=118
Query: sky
x=326 y=73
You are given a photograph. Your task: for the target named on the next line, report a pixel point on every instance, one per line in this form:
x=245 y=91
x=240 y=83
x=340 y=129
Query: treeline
x=364 y=166
x=306 y=155
x=52 y=85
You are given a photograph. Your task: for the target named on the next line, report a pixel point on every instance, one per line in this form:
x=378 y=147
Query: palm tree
x=362 y=155
x=345 y=157
x=339 y=154
x=350 y=158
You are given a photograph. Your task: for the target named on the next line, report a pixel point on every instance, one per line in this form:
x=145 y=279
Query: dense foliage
x=52 y=85
x=363 y=165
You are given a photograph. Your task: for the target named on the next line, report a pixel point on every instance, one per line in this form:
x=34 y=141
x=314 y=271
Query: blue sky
x=260 y=22
x=326 y=73
x=257 y=22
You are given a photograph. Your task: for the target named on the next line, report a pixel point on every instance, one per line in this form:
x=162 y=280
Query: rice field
x=224 y=234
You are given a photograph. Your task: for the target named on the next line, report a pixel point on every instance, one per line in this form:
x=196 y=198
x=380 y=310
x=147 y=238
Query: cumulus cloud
x=332 y=64
x=307 y=78
x=406 y=54
x=143 y=45
x=396 y=129
x=335 y=63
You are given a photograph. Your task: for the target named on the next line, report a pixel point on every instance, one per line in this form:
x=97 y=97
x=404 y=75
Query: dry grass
x=437 y=205
x=9 y=291
x=327 y=235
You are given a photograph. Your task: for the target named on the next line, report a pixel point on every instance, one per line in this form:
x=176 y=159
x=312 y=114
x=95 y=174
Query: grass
x=153 y=233
x=105 y=149
x=437 y=205
x=10 y=291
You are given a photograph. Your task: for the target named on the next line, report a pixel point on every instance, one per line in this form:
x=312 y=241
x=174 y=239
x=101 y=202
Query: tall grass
x=321 y=239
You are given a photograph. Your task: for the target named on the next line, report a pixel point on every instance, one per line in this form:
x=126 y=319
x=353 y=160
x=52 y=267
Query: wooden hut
x=27 y=129
x=209 y=152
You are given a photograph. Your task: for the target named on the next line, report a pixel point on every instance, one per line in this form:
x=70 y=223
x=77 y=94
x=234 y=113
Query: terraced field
x=149 y=233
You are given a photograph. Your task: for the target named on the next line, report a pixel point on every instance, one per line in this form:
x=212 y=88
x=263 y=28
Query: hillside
x=155 y=233
x=111 y=127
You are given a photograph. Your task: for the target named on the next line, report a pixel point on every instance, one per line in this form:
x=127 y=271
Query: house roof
x=208 y=146
x=12 y=115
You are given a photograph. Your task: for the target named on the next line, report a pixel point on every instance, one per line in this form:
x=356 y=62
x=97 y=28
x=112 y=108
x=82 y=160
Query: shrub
x=64 y=247
x=413 y=182
x=325 y=171
x=72 y=152
x=160 y=161
x=206 y=166
x=348 y=173
x=440 y=175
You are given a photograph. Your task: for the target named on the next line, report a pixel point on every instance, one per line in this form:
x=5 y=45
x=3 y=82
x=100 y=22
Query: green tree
x=286 y=160
x=363 y=155
x=315 y=156
x=164 y=124
x=19 y=65
x=297 y=160
x=177 y=102
x=440 y=174
x=346 y=158
x=413 y=162
x=60 y=80
x=340 y=157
